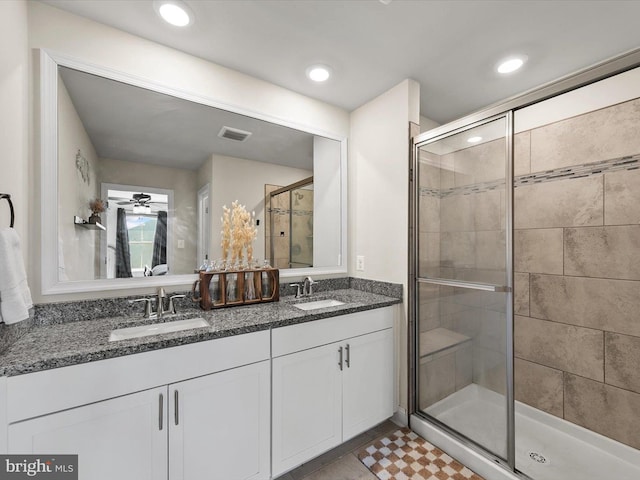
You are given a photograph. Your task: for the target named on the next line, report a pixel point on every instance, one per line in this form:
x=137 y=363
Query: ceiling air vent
x=234 y=134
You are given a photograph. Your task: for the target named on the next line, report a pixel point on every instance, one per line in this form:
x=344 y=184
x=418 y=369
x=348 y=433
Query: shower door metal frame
x=507 y=288
x=605 y=69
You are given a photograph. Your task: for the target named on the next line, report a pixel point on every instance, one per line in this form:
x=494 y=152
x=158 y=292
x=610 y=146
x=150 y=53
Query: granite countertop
x=63 y=344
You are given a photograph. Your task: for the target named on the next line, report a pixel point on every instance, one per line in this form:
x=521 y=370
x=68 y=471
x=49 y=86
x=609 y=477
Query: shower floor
x=547 y=447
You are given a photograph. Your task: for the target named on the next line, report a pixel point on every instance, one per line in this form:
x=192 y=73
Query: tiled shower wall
x=577 y=263
x=292 y=234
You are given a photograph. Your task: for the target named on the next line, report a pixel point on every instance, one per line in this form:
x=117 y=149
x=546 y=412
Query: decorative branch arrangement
x=238 y=233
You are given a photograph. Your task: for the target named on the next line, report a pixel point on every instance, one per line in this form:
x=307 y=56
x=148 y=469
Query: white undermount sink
x=318 y=304
x=156 y=329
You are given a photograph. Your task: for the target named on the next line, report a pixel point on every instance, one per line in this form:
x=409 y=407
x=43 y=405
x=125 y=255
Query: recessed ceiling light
x=319 y=73
x=474 y=139
x=174 y=12
x=511 y=64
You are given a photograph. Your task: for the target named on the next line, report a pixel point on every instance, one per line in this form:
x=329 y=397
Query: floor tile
x=346 y=468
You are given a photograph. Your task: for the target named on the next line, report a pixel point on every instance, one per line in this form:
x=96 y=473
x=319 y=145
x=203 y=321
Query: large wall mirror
x=135 y=176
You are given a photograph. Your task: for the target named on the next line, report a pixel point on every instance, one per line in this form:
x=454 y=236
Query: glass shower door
x=463 y=284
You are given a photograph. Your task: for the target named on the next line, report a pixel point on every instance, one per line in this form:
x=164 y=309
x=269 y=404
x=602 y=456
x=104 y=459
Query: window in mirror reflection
x=136 y=237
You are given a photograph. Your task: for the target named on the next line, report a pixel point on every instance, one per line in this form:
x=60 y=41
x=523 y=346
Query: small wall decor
x=83 y=167
x=97 y=206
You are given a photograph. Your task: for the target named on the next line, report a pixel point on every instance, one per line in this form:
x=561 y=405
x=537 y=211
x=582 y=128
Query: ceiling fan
x=141 y=202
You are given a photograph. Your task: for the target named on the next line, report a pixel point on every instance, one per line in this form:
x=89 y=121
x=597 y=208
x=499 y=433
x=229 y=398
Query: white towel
x=15 y=297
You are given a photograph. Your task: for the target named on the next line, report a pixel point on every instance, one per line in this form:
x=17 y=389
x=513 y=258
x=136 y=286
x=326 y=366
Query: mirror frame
x=51 y=284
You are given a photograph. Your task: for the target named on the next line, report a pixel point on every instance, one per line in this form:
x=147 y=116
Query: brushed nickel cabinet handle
x=340 y=362
x=161 y=411
x=348 y=360
x=175 y=397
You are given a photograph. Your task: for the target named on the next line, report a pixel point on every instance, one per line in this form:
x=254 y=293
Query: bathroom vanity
x=260 y=391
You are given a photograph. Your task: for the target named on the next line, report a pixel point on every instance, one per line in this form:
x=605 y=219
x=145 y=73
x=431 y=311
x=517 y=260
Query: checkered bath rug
x=403 y=455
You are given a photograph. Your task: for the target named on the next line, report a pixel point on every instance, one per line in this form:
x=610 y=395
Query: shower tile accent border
x=631 y=162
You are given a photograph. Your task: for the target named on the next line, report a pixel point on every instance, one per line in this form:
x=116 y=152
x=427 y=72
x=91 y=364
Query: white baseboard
x=400 y=417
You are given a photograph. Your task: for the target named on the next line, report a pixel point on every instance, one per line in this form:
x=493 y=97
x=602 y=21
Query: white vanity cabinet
x=118 y=438
x=332 y=379
x=213 y=425
x=219 y=425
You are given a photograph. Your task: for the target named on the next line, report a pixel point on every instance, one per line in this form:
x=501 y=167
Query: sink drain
x=537 y=457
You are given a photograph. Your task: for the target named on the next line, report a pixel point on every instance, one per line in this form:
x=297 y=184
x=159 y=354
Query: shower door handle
x=487 y=287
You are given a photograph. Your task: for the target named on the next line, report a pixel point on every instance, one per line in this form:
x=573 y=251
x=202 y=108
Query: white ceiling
x=449 y=47
x=130 y=123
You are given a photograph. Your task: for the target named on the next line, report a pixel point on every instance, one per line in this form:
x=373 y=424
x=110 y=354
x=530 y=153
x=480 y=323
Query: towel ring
x=7 y=197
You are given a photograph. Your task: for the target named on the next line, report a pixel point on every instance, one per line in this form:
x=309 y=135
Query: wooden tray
x=223 y=297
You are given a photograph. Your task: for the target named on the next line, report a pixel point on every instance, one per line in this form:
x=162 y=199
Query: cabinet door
x=307 y=406
x=368 y=381
x=222 y=428
x=123 y=438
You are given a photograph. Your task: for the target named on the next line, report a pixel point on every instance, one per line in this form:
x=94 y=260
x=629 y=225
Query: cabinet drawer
x=58 y=389
x=295 y=338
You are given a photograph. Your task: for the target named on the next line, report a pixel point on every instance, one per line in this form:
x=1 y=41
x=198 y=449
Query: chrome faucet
x=159 y=301
x=160 y=311
x=307 y=286
x=297 y=287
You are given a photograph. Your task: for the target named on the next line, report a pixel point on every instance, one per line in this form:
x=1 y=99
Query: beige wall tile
x=457 y=213
x=489 y=369
x=491 y=333
x=428 y=252
x=481 y=163
x=521 y=294
x=281 y=224
x=522 y=153
x=447 y=172
x=429 y=214
x=606 y=252
x=600 y=135
x=429 y=170
x=483 y=275
x=622 y=361
x=281 y=246
x=622 y=197
x=539 y=386
x=611 y=305
x=437 y=379
x=457 y=249
x=489 y=210
x=573 y=349
x=464 y=366
x=538 y=251
x=602 y=408
x=490 y=250
x=429 y=306
x=561 y=203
